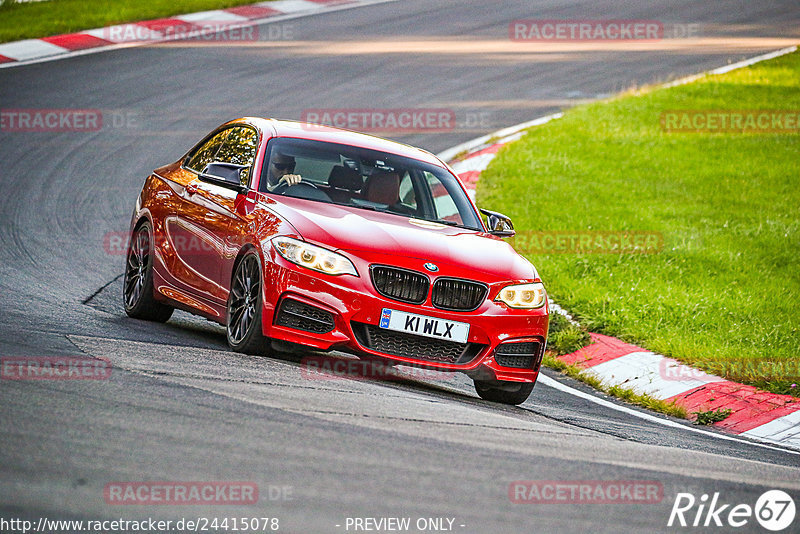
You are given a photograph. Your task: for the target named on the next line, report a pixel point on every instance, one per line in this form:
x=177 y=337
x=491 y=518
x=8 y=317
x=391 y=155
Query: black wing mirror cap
x=499 y=224
x=228 y=175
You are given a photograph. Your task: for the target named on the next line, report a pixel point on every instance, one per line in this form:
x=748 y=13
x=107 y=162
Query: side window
x=443 y=203
x=239 y=148
x=408 y=196
x=206 y=153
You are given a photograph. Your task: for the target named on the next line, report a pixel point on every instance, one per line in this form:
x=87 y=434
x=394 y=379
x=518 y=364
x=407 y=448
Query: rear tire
x=244 y=308
x=138 y=293
x=504 y=392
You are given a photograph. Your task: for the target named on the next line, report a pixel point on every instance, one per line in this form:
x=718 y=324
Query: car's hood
x=373 y=234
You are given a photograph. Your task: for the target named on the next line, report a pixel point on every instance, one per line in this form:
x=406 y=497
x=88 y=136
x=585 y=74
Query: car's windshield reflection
x=366 y=180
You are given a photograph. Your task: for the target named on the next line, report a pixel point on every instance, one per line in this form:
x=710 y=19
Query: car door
x=208 y=229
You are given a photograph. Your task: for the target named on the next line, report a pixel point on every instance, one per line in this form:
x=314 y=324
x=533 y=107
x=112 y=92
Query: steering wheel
x=283 y=186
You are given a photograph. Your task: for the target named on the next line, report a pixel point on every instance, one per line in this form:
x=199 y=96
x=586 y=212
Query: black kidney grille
x=458 y=295
x=399 y=284
x=412 y=346
x=302 y=316
x=524 y=355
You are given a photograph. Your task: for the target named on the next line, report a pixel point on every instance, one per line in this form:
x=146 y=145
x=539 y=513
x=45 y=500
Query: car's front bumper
x=355 y=309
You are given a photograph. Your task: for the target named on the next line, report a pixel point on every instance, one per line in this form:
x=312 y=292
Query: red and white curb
x=756 y=414
x=193 y=25
x=468 y=160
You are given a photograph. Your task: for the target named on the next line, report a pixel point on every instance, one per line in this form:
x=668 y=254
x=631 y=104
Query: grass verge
x=712 y=416
x=723 y=292
x=42 y=19
x=564 y=337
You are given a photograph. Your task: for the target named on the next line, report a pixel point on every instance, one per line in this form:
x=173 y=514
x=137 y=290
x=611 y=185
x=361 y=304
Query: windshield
x=365 y=179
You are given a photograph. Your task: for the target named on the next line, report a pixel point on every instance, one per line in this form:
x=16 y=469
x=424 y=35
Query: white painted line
x=292 y=6
x=561 y=311
x=126 y=34
x=510 y=138
x=29 y=48
x=103 y=32
x=783 y=430
x=476 y=163
x=547 y=381
x=753 y=60
x=450 y=153
x=216 y=15
x=732 y=66
x=100 y=33
x=641 y=372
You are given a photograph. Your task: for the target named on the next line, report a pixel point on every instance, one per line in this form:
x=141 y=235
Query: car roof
x=304 y=130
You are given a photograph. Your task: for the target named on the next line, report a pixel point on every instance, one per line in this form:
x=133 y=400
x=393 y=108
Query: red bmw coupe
x=334 y=240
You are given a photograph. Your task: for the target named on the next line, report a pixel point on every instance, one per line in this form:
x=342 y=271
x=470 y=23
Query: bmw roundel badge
x=432 y=267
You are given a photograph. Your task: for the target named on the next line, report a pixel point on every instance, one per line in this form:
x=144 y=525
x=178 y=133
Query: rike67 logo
x=774 y=510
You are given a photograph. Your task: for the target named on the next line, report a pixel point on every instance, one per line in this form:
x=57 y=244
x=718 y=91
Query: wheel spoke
x=236 y=291
x=243 y=323
x=236 y=308
x=236 y=317
x=132 y=261
x=132 y=280
x=245 y=320
x=243 y=299
x=140 y=247
x=134 y=290
x=136 y=268
x=242 y=281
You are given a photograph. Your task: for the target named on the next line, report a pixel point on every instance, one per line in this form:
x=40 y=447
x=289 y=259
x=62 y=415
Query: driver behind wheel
x=281 y=169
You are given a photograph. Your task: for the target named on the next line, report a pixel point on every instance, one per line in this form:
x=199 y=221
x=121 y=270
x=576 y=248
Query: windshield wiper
x=362 y=207
x=453 y=223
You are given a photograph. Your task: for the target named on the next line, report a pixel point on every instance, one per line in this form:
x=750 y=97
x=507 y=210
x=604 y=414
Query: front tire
x=137 y=287
x=504 y=392
x=244 y=308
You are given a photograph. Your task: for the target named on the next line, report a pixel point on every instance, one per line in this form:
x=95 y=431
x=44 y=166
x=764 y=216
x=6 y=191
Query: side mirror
x=228 y=175
x=499 y=224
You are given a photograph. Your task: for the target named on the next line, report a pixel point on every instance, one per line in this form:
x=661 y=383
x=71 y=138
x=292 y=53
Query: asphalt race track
x=180 y=407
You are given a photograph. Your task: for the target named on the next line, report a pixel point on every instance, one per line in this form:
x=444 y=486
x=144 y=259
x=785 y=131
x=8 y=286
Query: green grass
x=42 y=19
x=564 y=337
x=712 y=416
x=724 y=292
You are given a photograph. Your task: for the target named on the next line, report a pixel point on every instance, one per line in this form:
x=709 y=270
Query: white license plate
x=423 y=325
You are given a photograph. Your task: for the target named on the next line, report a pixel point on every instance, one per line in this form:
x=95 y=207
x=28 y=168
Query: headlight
x=526 y=296
x=313 y=257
